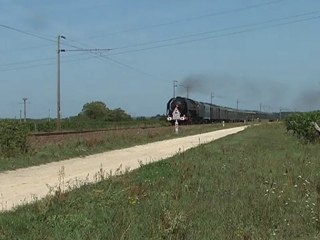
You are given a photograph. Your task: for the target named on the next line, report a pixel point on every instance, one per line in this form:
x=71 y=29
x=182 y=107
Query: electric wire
x=103 y=58
x=246 y=28
x=221 y=35
x=214 y=14
x=25 y=48
x=27 y=33
x=242 y=29
x=215 y=31
x=46 y=64
x=136 y=29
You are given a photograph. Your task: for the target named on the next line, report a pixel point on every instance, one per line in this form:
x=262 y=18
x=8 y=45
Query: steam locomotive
x=186 y=110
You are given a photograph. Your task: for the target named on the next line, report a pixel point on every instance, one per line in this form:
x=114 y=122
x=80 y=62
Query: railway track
x=39 y=140
x=44 y=138
x=93 y=130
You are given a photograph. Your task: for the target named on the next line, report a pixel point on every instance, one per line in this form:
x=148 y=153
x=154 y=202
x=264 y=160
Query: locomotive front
x=177 y=103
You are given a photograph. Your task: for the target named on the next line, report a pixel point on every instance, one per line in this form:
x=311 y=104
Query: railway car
x=192 y=111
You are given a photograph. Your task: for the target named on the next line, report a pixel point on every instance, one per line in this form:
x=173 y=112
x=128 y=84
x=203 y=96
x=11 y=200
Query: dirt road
x=25 y=185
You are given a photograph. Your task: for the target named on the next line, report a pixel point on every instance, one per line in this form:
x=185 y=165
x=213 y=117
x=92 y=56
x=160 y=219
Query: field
x=259 y=184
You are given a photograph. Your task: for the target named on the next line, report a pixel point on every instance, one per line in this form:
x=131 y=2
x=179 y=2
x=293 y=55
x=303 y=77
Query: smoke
x=247 y=90
x=308 y=99
x=192 y=84
x=252 y=92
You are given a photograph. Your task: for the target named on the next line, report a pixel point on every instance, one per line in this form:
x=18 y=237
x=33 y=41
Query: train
x=188 y=111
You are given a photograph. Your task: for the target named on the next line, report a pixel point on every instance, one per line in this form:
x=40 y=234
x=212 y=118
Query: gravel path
x=25 y=185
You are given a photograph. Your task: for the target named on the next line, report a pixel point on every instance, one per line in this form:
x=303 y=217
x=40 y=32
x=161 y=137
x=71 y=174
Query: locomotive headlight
x=169 y=118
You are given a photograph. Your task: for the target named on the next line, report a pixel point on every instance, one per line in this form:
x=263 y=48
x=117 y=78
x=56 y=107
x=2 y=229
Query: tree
x=95 y=110
x=98 y=111
x=119 y=115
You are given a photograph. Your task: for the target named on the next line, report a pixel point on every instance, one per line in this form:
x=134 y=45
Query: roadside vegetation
x=304 y=126
x=17 y=152
x=13 y=138
x=259 y=184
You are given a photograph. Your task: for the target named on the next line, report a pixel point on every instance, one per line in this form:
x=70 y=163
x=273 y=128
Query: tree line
x=98 y=110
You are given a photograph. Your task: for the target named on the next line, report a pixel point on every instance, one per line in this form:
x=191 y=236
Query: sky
x=254 y=54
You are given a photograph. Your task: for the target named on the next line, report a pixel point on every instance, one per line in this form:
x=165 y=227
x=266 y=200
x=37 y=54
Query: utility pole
x=212 y=96
x=58 y=85
x=25 y=108
x=237 y=104
x=174 y=87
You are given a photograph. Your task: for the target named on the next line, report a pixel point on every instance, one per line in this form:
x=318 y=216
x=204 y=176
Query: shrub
x=302 y=125
x=13 y=138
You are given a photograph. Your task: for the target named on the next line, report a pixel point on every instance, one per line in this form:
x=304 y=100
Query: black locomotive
x=191 y=111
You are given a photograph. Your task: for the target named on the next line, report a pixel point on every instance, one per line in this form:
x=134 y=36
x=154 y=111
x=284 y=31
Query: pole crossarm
x=87 y=50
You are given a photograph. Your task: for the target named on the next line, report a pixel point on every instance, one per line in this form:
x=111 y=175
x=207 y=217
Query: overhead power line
x=45 y=64
x=26 y=62
x=27 y=33
x=241 y=29
x=216 y=30
x=189 y=19
x=26 y=48
x=95 y=52
x=194 y=38
x=52 y=39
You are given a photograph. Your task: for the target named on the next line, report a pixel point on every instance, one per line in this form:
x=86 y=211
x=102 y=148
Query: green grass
x=112 y=140
x=258 y=184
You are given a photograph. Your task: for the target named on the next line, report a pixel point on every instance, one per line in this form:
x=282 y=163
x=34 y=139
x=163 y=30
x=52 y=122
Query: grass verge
x=259 y=184
x=97 y=144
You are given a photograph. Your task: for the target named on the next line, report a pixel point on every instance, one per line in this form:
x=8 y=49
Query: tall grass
x=259 y=184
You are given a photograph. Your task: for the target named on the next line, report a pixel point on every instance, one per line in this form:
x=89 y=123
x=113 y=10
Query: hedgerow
x=303 y=126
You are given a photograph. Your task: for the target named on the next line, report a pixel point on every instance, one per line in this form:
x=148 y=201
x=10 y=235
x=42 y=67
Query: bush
x=302 y=125
x=13 y=138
